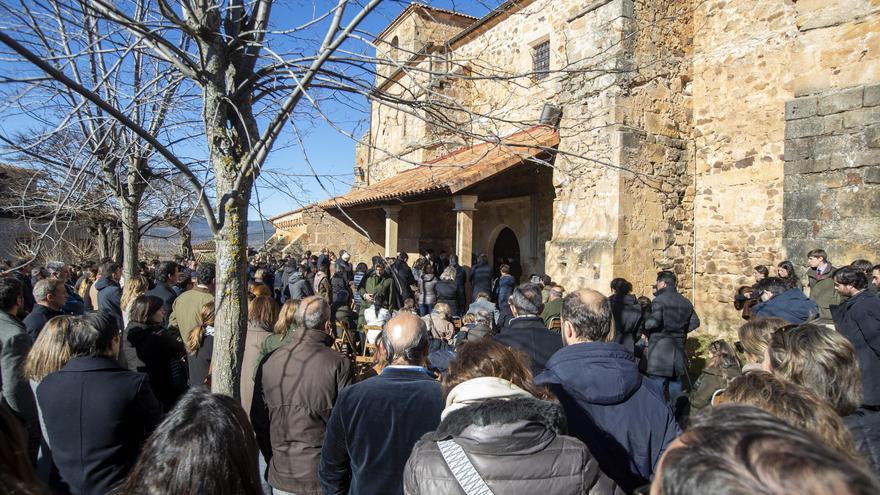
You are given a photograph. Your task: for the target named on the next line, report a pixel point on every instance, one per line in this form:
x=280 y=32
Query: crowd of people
x=478 y=381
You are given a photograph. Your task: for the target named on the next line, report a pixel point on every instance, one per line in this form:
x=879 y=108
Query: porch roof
x=455 y=171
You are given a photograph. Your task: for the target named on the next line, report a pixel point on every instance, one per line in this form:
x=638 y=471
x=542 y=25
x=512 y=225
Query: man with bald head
x=615 y=411
x=376 y=423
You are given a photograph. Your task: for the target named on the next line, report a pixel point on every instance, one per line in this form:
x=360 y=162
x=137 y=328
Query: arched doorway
x=506 y=251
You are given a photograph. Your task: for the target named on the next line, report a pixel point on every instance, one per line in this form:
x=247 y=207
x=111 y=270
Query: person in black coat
x=166 y=277
x=481 y=277
x=161 y=351
x=629 y=322
x=405 y=276
x=110 y=293
x=526 y=330
x=375 y=423
x=447 y=290
x=672 y=317
x=50 y=295
x=96 y=413
x=858 y=319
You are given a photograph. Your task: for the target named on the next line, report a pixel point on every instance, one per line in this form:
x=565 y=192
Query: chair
x=555 y=324
x=372 y=333
x=344 y=339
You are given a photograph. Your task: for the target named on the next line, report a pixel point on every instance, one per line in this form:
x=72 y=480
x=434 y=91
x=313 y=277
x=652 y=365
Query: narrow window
x=541 y=59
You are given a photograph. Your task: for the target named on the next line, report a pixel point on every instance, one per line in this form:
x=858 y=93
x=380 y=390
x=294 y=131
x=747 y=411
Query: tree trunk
x=115 y=236
x=130 y=241
x=185 y=248
x=231 y=297
x=101 y=238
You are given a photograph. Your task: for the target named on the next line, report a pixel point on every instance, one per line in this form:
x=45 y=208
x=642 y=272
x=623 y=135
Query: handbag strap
x=462 y=468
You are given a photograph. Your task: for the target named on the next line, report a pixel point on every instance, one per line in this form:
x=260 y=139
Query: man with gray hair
x=50 y=295
x=526 y=330
x=620 y=415
x=295 y=389
x=376 y=423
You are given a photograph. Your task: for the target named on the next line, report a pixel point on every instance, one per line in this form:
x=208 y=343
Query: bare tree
x=221 y=48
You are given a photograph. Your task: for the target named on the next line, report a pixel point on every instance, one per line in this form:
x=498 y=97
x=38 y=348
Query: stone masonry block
x=872 y=175
x=804 y=128
x=796 y=167
x=841 y=101
x=861 y=202
x=798 y=149
x=833 y=145
x=872 y=95
x=861 y=117
x=800 y=108
x=872 y=136
x=798 y=229
x=801 y=204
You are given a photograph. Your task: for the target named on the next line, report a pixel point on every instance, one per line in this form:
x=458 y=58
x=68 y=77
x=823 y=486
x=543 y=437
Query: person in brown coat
x=295 y=390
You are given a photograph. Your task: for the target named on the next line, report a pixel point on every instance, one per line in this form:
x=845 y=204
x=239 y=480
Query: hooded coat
x=299 y=287
x=621 y=417
x=517 y=445
x=792 y=306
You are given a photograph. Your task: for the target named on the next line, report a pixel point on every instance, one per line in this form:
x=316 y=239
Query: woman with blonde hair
x=137 y=286
x=794 y=404
x=283 y=329
x=84 y=287
x=49 y=354
x=262 y=315
x=754 y=337
x=200 y=346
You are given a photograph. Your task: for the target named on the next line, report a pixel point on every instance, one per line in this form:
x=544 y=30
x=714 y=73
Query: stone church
x=595 y=139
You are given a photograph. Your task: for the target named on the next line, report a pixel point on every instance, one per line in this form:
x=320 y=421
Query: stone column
x=465 y=205
x=392 y=214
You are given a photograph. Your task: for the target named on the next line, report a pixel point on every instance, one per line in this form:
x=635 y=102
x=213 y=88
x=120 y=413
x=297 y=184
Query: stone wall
x=832 y=174
x=749 y=59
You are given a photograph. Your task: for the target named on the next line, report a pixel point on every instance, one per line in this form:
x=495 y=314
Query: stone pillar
x=465 y=205
x=392 y=214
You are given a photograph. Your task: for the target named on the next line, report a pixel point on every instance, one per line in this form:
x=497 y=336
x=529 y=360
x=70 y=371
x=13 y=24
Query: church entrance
x=506 y=251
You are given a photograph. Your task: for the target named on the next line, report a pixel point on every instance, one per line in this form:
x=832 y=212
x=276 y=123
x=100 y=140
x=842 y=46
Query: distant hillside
x=201 y=232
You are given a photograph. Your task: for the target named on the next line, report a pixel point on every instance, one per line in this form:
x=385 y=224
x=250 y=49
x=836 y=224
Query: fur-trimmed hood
x=499 y=412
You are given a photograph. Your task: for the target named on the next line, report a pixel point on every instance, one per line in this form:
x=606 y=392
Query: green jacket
x=186 y=310
x=374 y=284
x=552 y=309
x=822 y=290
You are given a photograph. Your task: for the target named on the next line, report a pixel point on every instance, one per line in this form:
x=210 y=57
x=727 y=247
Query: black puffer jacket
x=516 y=445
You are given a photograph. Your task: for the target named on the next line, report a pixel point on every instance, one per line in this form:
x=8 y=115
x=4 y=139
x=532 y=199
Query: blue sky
x=331 y=153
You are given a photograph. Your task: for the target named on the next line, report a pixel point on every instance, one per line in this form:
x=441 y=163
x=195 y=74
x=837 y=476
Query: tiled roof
x=455 y=171
x=206 y=246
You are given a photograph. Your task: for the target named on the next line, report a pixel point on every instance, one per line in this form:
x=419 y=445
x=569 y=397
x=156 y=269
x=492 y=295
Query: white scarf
x=209 y=331
x=479 y=389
